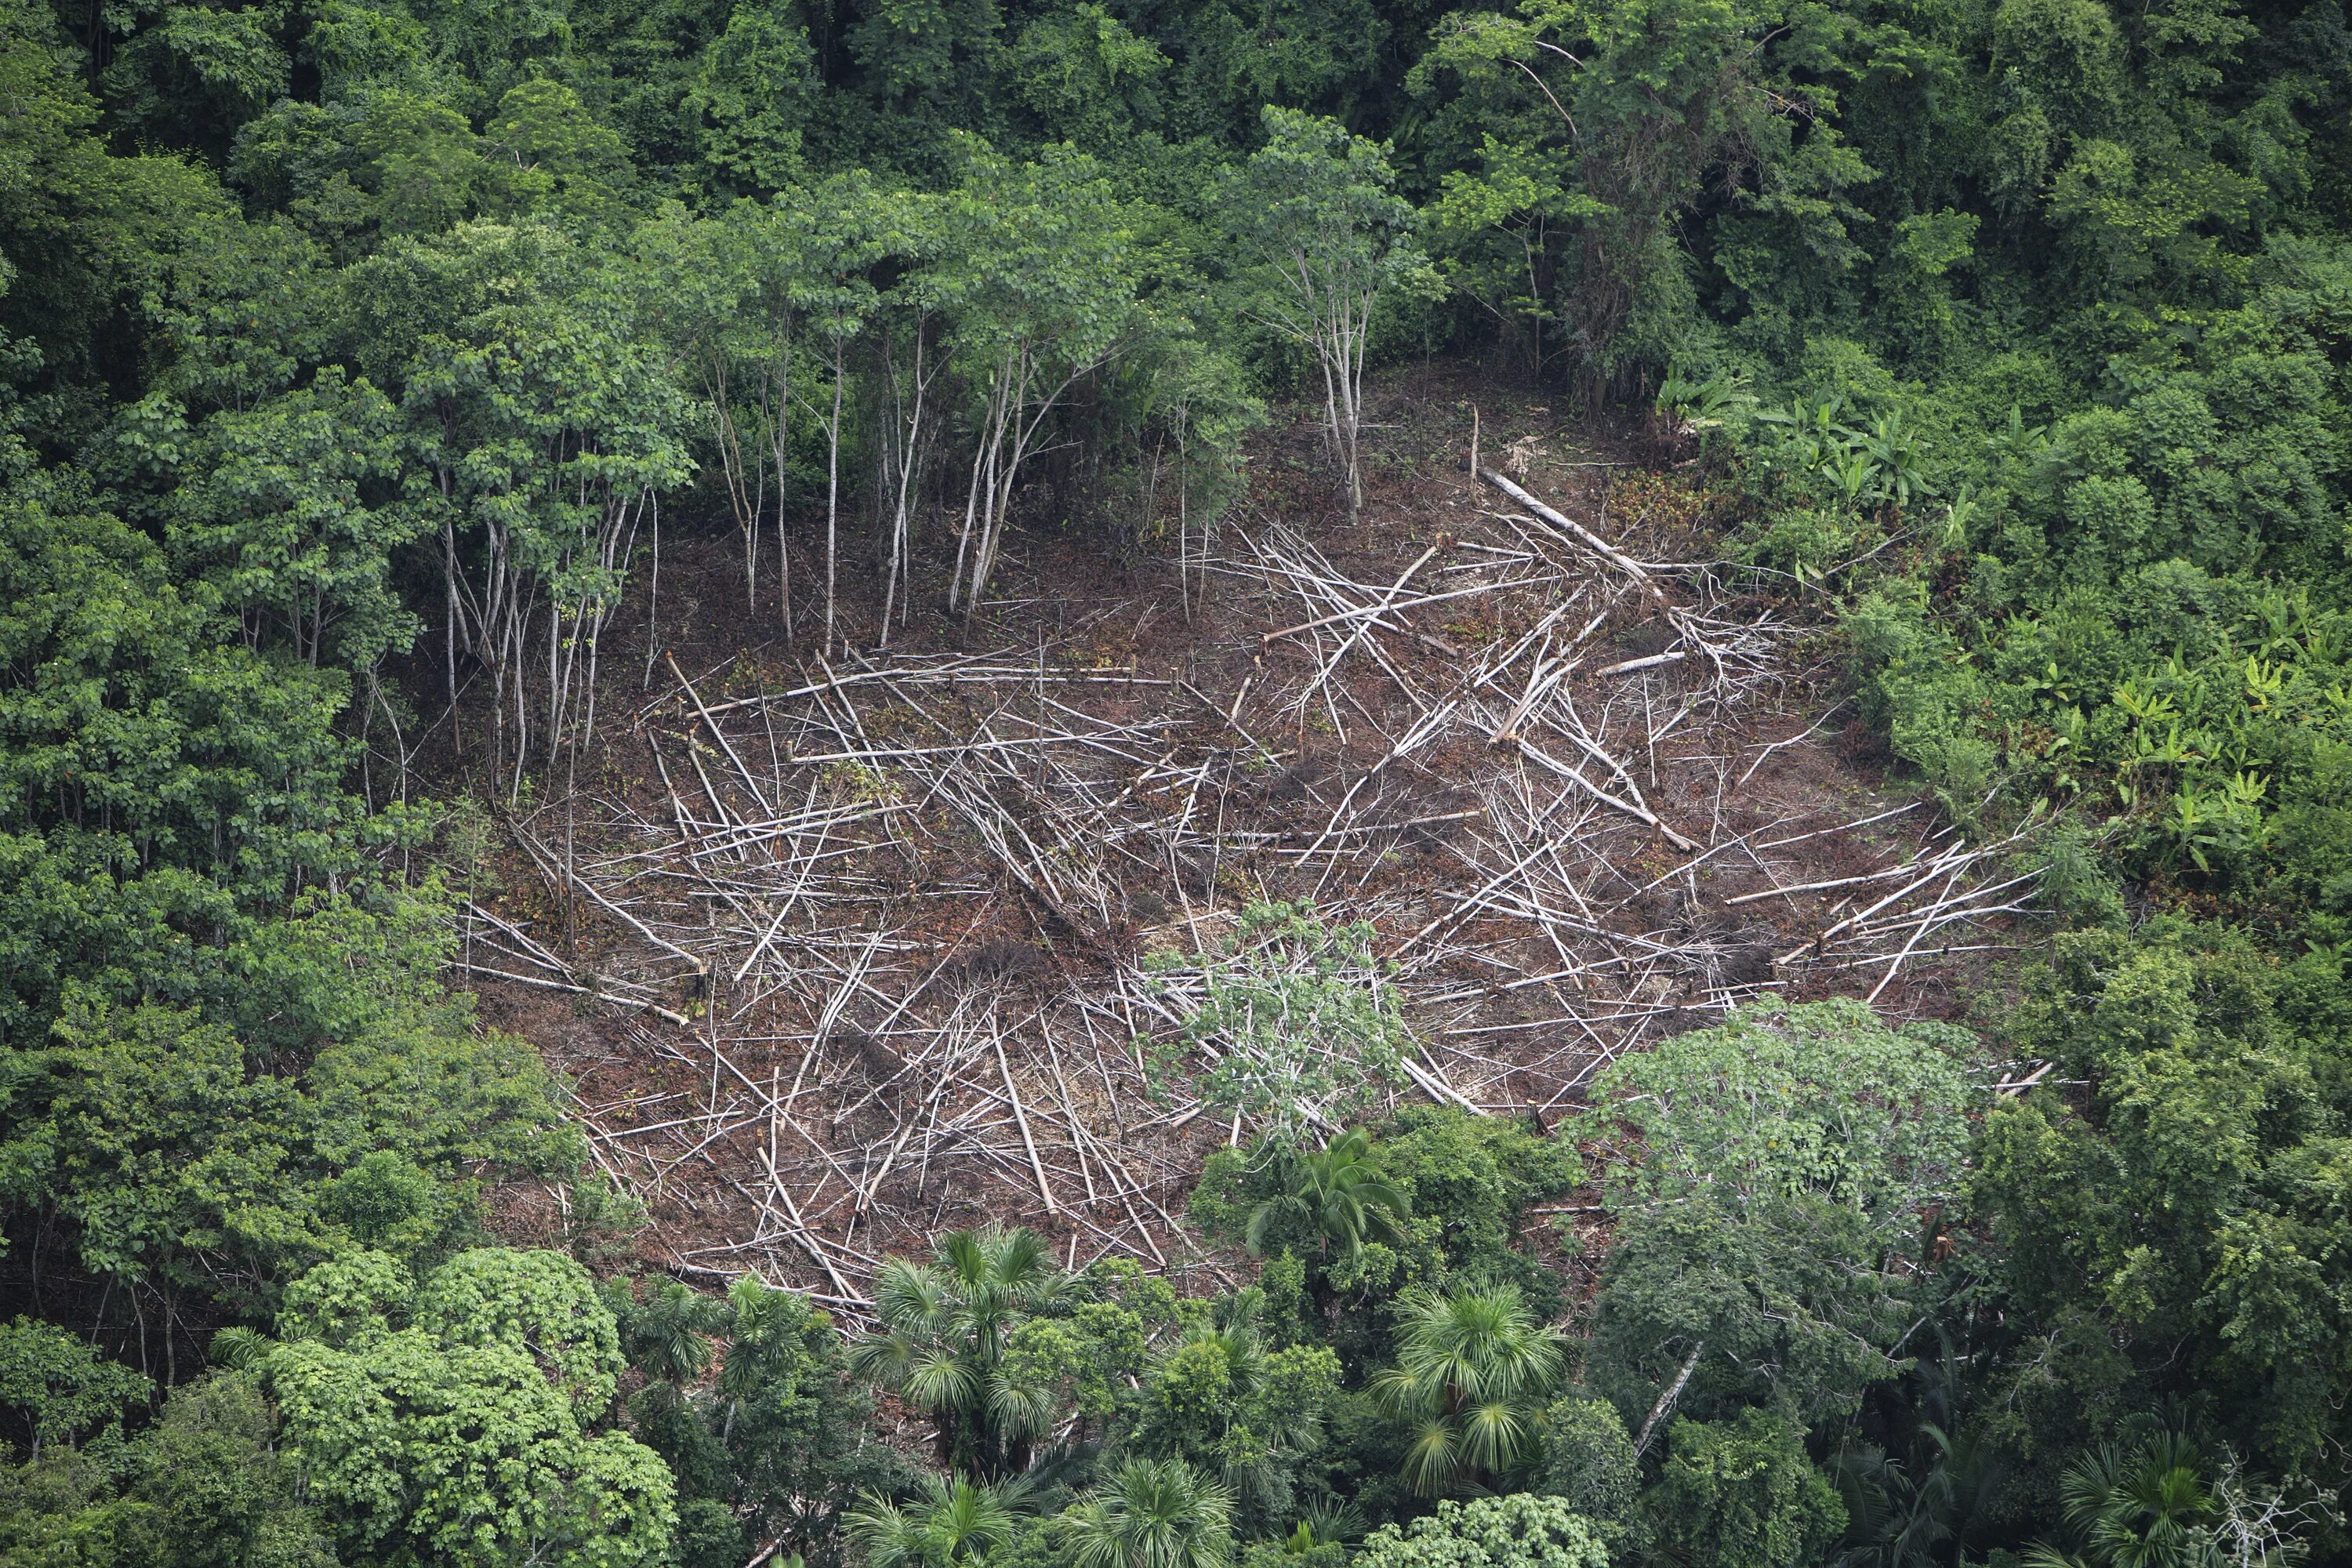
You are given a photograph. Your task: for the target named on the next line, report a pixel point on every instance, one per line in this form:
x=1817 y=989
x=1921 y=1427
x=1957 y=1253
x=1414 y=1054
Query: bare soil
x=837 y=952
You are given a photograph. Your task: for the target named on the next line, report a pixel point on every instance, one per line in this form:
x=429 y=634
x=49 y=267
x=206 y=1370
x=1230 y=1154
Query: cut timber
x=1578 y=531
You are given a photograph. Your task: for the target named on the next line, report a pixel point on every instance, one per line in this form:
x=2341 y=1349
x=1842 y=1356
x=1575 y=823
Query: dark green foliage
x=1590 y=1463
x=1336 y=1196
x=177 y=1168
x=201 y=1489
x=1474 y=1175
x=57 y=1388
x=1785 y=1306
x=1223 y=1403
x=2195 y=1192
x=1743 y=1494
x=1790 y=1159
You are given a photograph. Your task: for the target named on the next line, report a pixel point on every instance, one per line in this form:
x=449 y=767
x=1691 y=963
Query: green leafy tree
x=186 y=1177
x=753 y=91
x=289 y=509
x=163 y=791
x=1038 y=278
x=1316 y=210
x=2167 y=1213
x=1792 y=1306
x=547 y=153
x=1589 y=1464
x=58 y=1387
x=470 y=1435
x=1790 y=1163
x=1819 y=1101
x=1223 y=1403
x=1520 y=1530
x=200 y=1488
x=543 y=425
x=1078 y=1364
x=1743 y=1494
x=1474 y=1176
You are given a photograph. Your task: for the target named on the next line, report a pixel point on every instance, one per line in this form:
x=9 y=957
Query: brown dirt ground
x=881 y=968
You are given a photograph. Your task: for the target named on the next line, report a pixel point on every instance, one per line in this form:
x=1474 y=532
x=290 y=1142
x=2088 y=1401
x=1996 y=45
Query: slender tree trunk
x=833 y=493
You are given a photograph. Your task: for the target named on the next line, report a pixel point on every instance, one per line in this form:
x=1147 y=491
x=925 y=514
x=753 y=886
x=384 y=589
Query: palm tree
x=1152 y=1513
x=944 y=1325
x=1338 y=1193
x=667 y=1334
x=2142 y=1508
x=953 y=1522
x=1895 y=1520
x=1474 y=1368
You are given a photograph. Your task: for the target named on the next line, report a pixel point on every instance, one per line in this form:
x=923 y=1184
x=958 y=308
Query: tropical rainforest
x=356 y=358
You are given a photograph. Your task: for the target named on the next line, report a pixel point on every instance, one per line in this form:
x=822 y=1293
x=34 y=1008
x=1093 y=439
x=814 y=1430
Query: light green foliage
x=1521 y=1529
x=346 y=1299
x=1814 y=1103
x=1315 y=209
x=1743 y=1494
x=1296 y=1017
x=1080 y=1362
x=470 y=1434
x=548 y=154
x=540 y=1301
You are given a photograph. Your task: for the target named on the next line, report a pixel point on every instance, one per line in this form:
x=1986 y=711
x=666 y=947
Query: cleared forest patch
x=857 y=951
